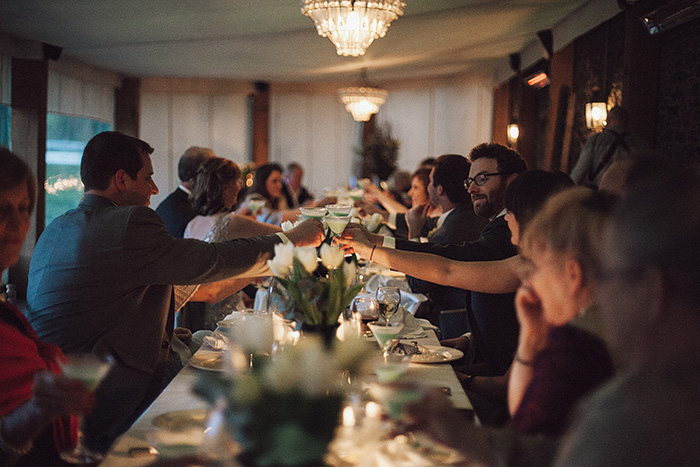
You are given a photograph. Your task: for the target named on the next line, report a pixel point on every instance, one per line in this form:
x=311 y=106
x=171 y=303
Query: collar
x=443 y=216
x=503 y=212
x=97 y=201
x=184 y=189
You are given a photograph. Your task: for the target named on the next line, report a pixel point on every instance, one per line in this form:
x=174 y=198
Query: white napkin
x=409 y=299
x=215 y=341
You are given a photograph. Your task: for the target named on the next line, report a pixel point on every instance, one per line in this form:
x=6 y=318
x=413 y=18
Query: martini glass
x=337 y=223
x=385 y=333
x=339 y=210
x=255 y=205
x=313 y=213
x=90 y=370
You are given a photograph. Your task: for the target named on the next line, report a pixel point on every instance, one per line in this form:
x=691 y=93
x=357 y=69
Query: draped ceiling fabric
x=271 y=40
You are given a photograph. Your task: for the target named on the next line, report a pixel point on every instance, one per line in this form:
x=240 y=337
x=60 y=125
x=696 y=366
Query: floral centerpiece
x=285 y=410
x=320 y=290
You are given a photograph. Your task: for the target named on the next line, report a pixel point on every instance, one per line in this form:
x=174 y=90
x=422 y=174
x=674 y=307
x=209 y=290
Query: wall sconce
x=596 y=113
x=513 y=133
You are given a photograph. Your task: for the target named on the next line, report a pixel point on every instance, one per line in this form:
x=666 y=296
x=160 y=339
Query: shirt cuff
x=391 y=221
x=389 y=242
x=283 y=237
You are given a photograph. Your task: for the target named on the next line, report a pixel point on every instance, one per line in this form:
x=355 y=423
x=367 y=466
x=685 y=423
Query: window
x=66 y=138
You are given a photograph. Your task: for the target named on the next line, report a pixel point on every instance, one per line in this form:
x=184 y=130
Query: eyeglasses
x=480 y=179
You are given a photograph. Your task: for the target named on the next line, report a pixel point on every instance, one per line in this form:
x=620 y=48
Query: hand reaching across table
x=309 y=232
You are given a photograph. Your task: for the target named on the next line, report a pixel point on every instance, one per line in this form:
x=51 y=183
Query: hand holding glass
x=90 y=370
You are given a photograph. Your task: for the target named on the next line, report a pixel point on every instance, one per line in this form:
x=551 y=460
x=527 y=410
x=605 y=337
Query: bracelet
x=523 y=362
x=7 y=447
x=372 y=253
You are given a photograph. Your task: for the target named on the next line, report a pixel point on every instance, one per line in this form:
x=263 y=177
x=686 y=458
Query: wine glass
x=89 y=369
x=385 y=334
x=366 y=310
x=389 y=299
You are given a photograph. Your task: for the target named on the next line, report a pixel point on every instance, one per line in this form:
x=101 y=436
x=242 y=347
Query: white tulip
x=277 y=269
x=308 y=258
x=331 y=256
x=349 y=273
x=284 y=255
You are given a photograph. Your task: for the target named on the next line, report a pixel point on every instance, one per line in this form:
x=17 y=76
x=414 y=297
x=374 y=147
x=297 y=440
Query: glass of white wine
x=389 y=299
x=89 y=369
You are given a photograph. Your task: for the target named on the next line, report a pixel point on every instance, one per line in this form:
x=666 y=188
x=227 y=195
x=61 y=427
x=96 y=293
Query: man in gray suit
x=106 y=278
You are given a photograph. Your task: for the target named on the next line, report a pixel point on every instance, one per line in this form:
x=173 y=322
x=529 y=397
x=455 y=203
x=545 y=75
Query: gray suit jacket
x=101 y=279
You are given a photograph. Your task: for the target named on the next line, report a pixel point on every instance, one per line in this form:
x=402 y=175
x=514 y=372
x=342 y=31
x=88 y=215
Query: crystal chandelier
x=352 y=25
x=362 y=101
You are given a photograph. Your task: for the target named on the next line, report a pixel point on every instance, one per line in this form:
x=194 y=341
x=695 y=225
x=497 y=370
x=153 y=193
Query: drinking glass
x=385 y=334
x=366 y=310
x=312 y=213
x=337 y=223
x=89 y=369
x=256 y=205
x=389 y=299
x=339 y=210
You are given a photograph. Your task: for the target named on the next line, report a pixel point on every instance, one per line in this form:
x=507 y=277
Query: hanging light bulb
x=352 y=25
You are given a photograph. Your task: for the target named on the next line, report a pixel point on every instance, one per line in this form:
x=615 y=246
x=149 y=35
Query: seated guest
x=457 y=224
x=294 y=191
x=267 y=188
x=214 y=192
x=176 y=210
x=491 y=317
x=108 y=277
x=395 y=212
x=36 y=402
x=648 y=299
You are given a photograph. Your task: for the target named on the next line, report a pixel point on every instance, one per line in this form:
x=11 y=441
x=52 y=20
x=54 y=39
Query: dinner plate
x=208 y=360
x=182 y=420
x=436 y=354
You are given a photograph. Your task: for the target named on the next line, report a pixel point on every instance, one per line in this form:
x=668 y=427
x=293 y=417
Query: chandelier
x=362 y=101
x=352 y=25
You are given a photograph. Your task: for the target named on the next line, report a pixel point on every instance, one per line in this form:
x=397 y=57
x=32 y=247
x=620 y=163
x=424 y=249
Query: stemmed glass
x=256 y=205
x=337 y=223
x=385 y=334
x=89 y=369
x=366 y=310
x=389 y=299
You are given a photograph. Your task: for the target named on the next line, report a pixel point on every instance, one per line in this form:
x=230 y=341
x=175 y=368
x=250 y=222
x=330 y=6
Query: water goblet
x=389 y=299
x=89 y=369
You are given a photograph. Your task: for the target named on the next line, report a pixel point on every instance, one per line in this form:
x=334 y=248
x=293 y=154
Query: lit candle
x=348 y=416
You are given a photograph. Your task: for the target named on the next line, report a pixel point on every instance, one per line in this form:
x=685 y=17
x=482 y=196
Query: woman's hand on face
x=533 y=327
x=57 y=395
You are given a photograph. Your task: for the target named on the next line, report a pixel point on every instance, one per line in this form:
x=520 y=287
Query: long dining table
x=132 y=448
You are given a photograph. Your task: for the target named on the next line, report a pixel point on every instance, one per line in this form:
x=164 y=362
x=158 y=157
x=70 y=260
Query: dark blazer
x=303 y=197
x=460 y=226
x=176 y=212
x=101 y=280
x=491 y=317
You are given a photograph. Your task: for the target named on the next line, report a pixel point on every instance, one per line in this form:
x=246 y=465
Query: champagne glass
x=256 y=205
x=366 y=310
x=89 y=369
x=385 y=334
x=389 y=299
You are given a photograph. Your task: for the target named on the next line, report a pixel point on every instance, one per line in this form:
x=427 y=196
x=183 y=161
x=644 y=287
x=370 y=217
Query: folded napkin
x=409 y=299
x=215 y=341
x=413 y=328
